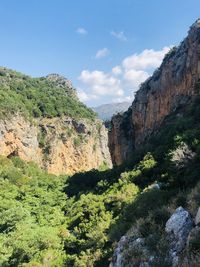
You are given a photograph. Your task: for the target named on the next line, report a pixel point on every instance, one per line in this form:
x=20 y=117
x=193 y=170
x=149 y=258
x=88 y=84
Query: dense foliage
x=75 y=221
x=36 y=97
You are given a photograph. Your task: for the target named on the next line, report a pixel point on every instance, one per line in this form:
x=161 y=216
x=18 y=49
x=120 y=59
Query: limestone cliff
x=121 y=142
x=59 y=145
x=170 y=88
x=42 y=120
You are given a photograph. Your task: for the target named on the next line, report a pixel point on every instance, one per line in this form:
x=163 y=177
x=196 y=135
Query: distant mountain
x=106 y=111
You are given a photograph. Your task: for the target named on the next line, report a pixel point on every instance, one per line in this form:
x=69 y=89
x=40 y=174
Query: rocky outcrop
x=169 y=89
x=178 y=228
x=62 y=82
x=133 y=250
x=61 y=145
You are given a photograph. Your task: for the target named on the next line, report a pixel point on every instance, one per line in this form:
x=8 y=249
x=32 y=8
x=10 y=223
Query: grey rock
x=62 y=82
x=197 y=217
x=117 y=259
x=79 y=126
x=178 y=228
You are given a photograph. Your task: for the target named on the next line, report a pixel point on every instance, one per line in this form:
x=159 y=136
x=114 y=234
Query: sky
x=105 y=47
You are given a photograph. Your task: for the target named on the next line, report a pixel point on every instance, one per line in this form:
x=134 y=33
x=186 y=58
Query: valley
x=76 y=194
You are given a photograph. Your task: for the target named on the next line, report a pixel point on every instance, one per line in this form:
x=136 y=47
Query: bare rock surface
x=173 y=85
x=59 y=145
x=178 y=228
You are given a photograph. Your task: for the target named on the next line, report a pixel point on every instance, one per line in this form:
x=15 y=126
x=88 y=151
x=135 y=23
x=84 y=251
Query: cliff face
x=170 y=88
x=42 y=120
x=121 y=141
x=59 y=145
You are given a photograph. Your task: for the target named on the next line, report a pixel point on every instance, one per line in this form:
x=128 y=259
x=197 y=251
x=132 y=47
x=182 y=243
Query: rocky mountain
x=106 y=111
x=172 y=86
x=43 y=121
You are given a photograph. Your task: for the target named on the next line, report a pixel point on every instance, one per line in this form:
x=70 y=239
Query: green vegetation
x=32 y=224
x=78 y=140
x=40 y=226
x=36 y=97
x=75 y=221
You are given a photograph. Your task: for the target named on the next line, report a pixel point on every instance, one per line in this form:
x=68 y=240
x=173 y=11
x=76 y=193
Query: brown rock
x=58 y=145
x=170 y=88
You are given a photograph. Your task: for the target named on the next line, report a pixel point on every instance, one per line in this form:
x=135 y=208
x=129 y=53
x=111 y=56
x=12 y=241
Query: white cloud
x=148 y=58
x=123 y=80
x=135 y=77
x=102 y=53
x=83 y=96
x=81 y=31
x=117 y=70
x=101 y=83
x=119 y=35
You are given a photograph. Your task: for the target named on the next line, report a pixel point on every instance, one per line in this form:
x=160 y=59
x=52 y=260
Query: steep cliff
x=121 y=141
x=43 y=121
x=169 y=89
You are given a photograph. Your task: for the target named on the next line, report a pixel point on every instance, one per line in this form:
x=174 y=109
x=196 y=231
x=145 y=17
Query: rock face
x=117 y=259
x=59 y=145
x=178 y=228
x=169 y=89
x=133 y=250
x=121 y=141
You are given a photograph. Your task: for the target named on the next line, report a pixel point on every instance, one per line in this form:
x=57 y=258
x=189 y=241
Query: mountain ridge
x=106 y=111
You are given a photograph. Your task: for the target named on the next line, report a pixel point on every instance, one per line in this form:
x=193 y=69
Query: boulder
x=178 y=228
x=117 y=259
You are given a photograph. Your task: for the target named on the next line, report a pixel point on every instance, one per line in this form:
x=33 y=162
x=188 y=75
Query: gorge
x=74 y=195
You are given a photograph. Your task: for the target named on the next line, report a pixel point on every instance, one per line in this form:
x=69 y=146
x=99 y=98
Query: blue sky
x=105 y=47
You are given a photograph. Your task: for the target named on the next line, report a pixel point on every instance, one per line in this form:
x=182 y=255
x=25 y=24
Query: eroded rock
x=178 y=228
x=169 y=90
x=56 y=144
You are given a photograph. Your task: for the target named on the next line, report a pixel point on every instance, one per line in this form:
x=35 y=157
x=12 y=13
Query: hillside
x=106 y=111
x=42 y=120
x=49 y=96
x=77 y=221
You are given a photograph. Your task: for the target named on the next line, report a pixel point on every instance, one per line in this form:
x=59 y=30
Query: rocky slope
x=59 y=142
x=169 y=89
x=180 y=231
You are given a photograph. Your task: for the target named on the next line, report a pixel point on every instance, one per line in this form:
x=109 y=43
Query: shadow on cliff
x=176 y=129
